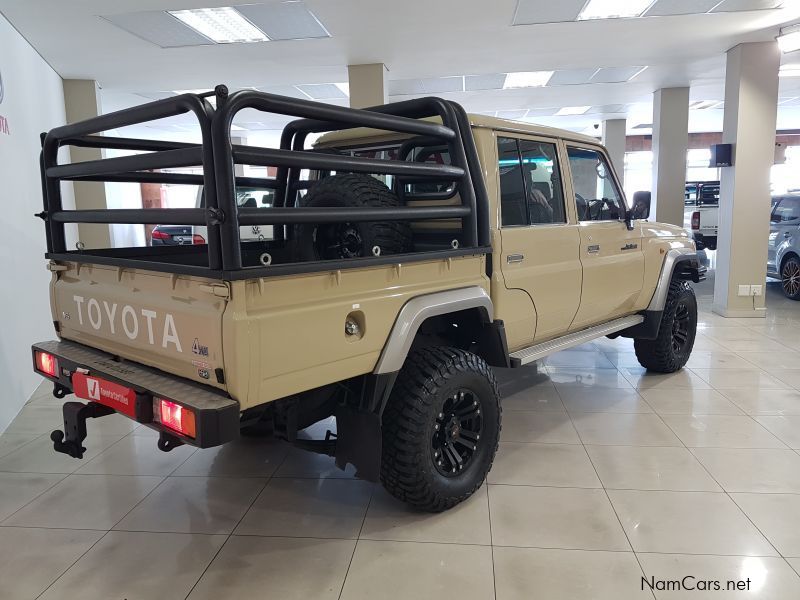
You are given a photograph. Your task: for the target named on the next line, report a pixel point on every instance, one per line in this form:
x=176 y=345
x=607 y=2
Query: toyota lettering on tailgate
x=129 y=320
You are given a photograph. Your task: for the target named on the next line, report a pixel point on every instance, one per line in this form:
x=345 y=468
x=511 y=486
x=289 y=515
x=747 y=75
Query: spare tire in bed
x=332 y=241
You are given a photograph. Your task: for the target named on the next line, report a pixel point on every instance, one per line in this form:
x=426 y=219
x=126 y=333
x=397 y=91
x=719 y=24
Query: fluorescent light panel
x=789 y=39
x=789 y=71
x=526 y=79
x=223 y=25
x=572 y=110
x=613 y=9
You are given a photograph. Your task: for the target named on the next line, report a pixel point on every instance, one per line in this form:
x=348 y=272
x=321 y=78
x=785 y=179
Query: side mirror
x=641 y=205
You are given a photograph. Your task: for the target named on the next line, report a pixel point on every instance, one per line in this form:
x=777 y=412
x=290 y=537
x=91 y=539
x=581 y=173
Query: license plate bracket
x=121 y=398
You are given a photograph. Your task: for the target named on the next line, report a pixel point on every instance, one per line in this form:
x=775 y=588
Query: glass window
x=596 y=195
x=512 y=187
x=530 y=183
x=787 y=210
x=542 y=182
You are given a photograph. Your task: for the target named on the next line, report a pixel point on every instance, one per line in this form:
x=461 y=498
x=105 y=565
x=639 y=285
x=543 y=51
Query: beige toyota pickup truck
x=413 y=249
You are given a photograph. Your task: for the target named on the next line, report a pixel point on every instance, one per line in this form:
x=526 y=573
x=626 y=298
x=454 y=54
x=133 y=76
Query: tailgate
x=171 y=322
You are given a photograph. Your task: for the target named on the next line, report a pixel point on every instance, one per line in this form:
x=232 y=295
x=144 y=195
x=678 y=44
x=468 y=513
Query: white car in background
x=701 y=212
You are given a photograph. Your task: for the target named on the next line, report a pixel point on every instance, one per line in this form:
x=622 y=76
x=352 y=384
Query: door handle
x=630 y=247
x=787 y=235
x=593 y=249
x=515 y=258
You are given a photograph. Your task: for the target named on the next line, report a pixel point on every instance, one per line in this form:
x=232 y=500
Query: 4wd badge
x=198 y=349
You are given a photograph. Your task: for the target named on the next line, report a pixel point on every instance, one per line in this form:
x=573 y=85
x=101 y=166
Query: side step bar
x=537 y=351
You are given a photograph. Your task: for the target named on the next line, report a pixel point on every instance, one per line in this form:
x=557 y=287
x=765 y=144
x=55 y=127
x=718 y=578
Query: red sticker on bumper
x=120 y=398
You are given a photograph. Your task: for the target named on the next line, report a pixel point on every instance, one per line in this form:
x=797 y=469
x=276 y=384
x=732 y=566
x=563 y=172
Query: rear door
x=170 y=322
x=611 y=255
x=539 y=241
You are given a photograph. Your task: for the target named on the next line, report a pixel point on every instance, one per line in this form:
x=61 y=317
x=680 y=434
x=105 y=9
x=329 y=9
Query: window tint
x=596 y=195
x=530 y=183
x=787 y=210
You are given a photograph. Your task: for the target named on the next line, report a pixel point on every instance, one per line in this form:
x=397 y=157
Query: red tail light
x=160 y=235
x=46 y=363
x=175 y=416
x=198 y=239
x=696 y=220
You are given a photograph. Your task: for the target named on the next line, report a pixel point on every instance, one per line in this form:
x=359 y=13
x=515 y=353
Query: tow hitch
x=75 y=415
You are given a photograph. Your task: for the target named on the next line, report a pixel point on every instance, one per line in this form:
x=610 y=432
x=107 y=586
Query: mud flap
x=358 y=442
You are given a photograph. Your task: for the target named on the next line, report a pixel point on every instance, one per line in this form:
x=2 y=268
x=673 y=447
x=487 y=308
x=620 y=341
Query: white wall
x=33 y=101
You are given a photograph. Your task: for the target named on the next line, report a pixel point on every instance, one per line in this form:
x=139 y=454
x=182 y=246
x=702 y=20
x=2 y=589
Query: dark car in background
x=175 y=235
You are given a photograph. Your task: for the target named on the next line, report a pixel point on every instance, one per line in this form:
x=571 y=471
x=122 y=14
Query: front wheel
x=441 y=428
x=790 y=278
x=671 y=349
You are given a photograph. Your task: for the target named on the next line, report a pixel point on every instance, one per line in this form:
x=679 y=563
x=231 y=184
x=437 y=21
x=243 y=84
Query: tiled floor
x=605 y=474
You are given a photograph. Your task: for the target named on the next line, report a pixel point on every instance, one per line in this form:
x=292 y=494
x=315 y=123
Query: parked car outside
x=783 y=256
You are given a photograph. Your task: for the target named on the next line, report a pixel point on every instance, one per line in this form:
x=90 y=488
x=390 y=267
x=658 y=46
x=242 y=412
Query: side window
x=530 y=183
x=596 y=195
x=787 y=210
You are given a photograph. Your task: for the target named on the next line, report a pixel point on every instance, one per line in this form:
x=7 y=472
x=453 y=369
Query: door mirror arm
x=629 y=219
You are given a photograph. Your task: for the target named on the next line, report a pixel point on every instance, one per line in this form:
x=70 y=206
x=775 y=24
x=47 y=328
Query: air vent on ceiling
x=159 y=28
x=663 y=8
x=572 y=76
x=741 y=5
x=532 y=12
x=493 y=81
x=616 y=74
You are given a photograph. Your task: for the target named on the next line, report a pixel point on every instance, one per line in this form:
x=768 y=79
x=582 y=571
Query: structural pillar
x=367 y=85
x=614 y=139
x=751 y=101
x=82 y=101
x=670 y=143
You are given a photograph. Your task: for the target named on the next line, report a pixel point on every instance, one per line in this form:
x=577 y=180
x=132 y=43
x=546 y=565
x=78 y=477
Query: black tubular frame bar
x=217 y=157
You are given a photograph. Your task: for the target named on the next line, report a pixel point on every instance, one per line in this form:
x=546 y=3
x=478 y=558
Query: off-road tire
x=416 y=417
x=671 y=349
x=790 y=277
x=352 y=191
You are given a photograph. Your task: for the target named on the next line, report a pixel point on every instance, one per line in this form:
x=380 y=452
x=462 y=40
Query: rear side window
x=709 y=195
x=530 y=183
x=597 y=197
x=787 y=210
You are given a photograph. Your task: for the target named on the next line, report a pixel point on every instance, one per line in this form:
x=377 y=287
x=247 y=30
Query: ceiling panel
x=606 y=109
x=284 y=20
x=159 y=28
x=541 y=112
x=492 y=81
x=530 y=12
x=572 y=76
x=739 y=5
x=323 y=91
x=437 y=85
x=283 y=90
x=513 y=115
x=615 y=74
x=680 y=7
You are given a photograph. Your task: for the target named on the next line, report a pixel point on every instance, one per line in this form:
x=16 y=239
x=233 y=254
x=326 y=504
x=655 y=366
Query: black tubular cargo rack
x=222 y=255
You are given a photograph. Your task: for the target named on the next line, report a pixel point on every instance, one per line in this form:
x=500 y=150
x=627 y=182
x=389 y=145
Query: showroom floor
x=604 y=473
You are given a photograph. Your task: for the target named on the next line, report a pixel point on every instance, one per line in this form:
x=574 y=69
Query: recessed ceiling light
x=572 y=110
x=613 y=9
x=789 y=38
x=526 y=79
x=224 y=25
x=789 y=70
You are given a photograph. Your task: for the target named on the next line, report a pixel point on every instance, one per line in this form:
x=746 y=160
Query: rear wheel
x=790 y=277
x=441 y=428
x=671 y=349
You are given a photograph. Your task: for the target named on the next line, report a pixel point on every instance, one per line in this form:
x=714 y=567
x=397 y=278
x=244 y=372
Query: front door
x=611 y=255
x=539 y=242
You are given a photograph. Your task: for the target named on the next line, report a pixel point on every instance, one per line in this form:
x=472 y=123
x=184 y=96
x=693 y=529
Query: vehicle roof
x=482 y=121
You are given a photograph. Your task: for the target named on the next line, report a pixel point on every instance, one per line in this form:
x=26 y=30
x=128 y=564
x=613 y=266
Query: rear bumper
x=216 y=415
